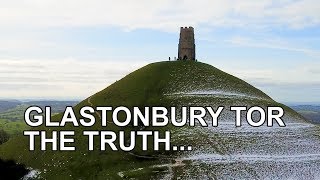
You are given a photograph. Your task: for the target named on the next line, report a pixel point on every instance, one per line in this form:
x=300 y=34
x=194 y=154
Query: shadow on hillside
x=11 y=170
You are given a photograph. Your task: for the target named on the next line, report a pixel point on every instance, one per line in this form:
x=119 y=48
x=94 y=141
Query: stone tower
x=187 y=48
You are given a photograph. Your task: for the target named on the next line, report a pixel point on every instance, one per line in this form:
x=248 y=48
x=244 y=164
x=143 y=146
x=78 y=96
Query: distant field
x=8 y=104
x=15 y=113
x=310 y=112
x=12 y=113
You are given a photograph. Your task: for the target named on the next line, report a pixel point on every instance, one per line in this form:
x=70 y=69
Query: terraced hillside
x=222 y=152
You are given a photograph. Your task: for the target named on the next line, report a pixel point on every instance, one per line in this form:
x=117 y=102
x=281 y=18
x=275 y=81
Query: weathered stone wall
x=187 y=47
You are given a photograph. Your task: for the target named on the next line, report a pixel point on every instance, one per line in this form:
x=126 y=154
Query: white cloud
x=270 y=43
x=69 y=78
x=65 y=77
x=300 y=74
x=299 y=83
x=299 y=13
x=164 y=15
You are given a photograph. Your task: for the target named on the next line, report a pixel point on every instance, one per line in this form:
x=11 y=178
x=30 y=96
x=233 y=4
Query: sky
x=70 y=49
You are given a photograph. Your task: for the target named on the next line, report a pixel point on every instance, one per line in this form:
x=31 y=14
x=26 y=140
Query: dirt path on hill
x=89 y=101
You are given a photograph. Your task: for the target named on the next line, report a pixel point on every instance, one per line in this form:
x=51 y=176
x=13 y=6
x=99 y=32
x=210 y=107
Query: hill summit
x=177 y=78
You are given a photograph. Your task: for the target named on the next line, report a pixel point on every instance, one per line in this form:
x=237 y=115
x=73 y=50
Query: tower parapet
x=186 y=47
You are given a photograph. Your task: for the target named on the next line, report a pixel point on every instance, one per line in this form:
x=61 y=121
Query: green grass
x=148 y=86
x=14 y=114
x=13 y=127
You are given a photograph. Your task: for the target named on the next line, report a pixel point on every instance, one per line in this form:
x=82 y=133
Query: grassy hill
x=163 y=84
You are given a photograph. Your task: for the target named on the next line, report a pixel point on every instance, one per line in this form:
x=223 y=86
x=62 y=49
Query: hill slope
x=168 y=84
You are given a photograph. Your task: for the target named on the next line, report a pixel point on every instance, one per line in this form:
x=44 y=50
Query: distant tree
x=4 y=136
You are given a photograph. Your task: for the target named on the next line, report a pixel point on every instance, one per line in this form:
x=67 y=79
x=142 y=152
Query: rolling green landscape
x=12 y=113
x=176 y=84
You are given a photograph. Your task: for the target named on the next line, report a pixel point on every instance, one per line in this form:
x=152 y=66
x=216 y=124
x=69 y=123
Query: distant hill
x=310 y=112
x=8 y=104
x=12 y=114
x=14 y=110
x=239 y=153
